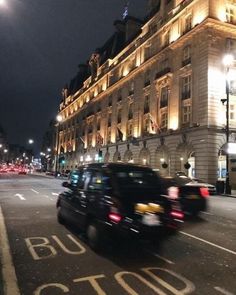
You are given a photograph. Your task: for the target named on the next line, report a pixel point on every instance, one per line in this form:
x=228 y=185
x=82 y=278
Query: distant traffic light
x=62 y=160
x=99 y=156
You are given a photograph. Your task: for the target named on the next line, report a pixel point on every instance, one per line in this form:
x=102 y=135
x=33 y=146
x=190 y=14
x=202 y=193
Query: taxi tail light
x=177 y=214
x=114 y=215
x=204 y=192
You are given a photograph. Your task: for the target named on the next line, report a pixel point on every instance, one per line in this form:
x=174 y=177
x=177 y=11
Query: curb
x=229 y=196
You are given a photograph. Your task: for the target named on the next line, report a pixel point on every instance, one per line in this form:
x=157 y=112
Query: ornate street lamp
x=227 y=61
x=59 y=119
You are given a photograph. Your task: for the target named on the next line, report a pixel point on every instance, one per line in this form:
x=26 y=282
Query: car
x=115 y=199
x=184 y=179
x=193 y=196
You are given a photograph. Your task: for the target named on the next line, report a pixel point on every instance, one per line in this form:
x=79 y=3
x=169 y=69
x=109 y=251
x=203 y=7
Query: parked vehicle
x=111 y=199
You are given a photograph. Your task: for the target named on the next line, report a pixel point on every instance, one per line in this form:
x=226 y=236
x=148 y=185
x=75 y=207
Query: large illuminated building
x=152 y=94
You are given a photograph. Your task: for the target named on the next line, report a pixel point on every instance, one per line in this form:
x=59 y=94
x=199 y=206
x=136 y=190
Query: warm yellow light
x=228 y=60
x=199 y=17
x=174 y=32
x=174 y=123
x=59 y=118
x=2 y=2
x=126 y=72
x=221 y=13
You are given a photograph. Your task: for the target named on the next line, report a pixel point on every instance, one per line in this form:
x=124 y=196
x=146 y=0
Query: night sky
x=41 y=44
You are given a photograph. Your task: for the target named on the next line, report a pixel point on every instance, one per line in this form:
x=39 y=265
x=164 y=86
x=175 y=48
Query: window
x=232 y=87
x=147 y=78
x=188 y=23
x=96 y=182
x=186 y=87
x=164 y=97
x=166 y=38
x=164 y=119
x=230 y=14
x=98 y=124
x=164 y=64
x=232 y=112
x=119 y=95
x=84 y=179
x=130 y=114
x=110 y=101
x=90 y=137
x=119 y=116
x=109 y=135
x=186 y=111
x=186 y=55
x=109 y=120
x=146 y=124
x=130 y=129
x=146 y=104
x=131 y=89
x=90 y=128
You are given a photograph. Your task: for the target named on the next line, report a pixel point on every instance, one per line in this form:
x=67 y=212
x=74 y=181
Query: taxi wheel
x=94 y=235
x=60 y=219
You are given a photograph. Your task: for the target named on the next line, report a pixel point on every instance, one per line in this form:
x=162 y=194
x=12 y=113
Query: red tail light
x=114 y=217
x=177 y=214
x=204 y=192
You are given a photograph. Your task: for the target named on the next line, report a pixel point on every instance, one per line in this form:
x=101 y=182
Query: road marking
x=34 y=191
x=207 y=213
x=209 y=243
x=161 y=257
x=8 y=270
x=46 y=196
x=55 y=194
x=223 y=291
x=20 y=196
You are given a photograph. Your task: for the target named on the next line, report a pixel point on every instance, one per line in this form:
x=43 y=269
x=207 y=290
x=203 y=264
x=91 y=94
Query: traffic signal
x=99 y=156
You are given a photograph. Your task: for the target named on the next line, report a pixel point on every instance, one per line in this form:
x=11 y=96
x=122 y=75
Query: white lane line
x=161 y=257
x=223 y=291
x=51 y=199
x=46 y=196
x=20 y=196
x=55 y=194
x=8 y=269
x=207 y=213
x=209 y=243
x=34 y=191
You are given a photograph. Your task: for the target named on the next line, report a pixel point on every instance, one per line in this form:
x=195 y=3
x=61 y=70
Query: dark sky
x=41 y=44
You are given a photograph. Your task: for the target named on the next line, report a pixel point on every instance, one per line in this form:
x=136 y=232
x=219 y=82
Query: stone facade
x=157 y=101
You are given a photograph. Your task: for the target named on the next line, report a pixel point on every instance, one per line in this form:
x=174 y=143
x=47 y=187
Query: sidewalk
x=232 y=195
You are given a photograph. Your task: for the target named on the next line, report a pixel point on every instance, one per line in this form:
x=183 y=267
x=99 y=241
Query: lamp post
x=59 y=119
x=227 y=61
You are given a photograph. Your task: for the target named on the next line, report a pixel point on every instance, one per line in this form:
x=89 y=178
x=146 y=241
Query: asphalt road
x=39 y=256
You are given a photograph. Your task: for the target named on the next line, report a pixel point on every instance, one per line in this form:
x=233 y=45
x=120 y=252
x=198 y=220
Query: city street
x=39 y=256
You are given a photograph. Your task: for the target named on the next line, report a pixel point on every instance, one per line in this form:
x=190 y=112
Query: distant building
x=153 y=95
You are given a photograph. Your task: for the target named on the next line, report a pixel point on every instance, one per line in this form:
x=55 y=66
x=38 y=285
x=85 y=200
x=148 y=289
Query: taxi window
x=96 y=182
x=84 y=179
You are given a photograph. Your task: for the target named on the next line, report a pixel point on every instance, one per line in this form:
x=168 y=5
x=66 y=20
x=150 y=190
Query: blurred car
x=192 y=196
x=115 y=199
x=184 y=179
x=22 y=171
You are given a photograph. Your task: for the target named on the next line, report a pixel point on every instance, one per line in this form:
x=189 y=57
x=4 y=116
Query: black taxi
x=113 y=199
